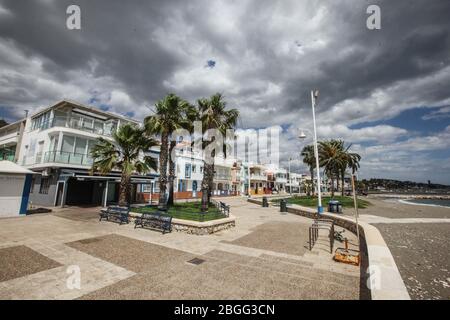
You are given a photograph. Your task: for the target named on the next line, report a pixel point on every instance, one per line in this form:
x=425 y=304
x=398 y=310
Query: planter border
x=197 y=227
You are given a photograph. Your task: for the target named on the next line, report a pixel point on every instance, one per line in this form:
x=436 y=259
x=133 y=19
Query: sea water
x=429 y=202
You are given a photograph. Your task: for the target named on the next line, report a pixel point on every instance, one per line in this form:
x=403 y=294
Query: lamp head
x=302 y=135
x=316 y=93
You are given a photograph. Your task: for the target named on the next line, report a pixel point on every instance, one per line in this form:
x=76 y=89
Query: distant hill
x=390 y=184
x=3 y=123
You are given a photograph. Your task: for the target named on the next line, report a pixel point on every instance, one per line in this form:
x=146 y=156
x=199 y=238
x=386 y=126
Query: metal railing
x=7 y=156
x=67 y=158
x=258 y=177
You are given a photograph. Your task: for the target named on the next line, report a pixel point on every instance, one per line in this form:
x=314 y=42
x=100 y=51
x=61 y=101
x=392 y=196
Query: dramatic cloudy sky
x=385 y=91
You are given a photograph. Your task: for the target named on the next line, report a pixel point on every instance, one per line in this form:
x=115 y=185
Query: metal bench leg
x=310 y=239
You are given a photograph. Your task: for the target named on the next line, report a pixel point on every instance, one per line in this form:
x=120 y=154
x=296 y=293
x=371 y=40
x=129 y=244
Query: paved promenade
x=265 y=256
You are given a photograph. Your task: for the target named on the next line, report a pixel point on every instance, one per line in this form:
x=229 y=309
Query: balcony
x=261 y=177
x=59 y=157
x=67 y=158
x=7 y=156
x=222 y=177
x=104 y=128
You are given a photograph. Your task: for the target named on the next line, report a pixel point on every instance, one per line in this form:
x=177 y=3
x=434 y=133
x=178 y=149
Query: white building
x=57 y=142
x=15 y=182
x=189 y=171
x=10 y=140
x=258 y=179
x=223 y=182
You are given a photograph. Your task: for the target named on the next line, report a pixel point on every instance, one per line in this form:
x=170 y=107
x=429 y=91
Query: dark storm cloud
x=118 y=35
x=115 y=34
x=413 y=42
x=268 y=55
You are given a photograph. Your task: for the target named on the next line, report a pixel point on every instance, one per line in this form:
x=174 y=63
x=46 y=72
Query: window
x=187 y=170
x=194 y=168
x=80 y=145
x=45 y=185
x=147 y=188
x=201 y=169
x=41 y=122
x=33 y=180
x=68 y=144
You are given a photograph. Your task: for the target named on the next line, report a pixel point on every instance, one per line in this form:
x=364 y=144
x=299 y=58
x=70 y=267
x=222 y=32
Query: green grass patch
x=347 y=202
x=187 y=211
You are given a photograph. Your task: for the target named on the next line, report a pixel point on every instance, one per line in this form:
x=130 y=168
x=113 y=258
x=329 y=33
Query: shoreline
x=411 y=196
x=405 y=201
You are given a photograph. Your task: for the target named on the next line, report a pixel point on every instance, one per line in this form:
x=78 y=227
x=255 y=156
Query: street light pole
x=289 y=175
x=248 y=188
x=314 y=96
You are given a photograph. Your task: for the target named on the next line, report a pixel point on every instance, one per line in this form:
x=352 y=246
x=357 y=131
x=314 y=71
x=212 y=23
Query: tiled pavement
x=237 y=265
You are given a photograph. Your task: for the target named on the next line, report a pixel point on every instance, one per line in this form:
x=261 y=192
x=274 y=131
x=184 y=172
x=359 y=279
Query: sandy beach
x=393 y=208
x=420 y=250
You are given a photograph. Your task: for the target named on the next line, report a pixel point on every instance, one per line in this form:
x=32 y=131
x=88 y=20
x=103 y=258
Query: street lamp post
x=289 y=175
x=314 y=96
x=248 y=188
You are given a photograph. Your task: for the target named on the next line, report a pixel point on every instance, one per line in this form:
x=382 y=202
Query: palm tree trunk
x=311 y=171
x=343 y=181
x=124 y=191
x=332 y=186
x=163 y=156
x=211 y=182
x=338 y=174
x=208 y=171
x=170 y=200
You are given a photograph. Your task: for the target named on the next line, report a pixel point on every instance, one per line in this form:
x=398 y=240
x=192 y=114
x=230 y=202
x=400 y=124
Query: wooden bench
x=116 y=213
x=157 y=220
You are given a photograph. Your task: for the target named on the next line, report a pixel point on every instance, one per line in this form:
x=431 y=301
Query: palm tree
x=309 y=159
x=349 y=160
x=330 y=157
x=171 y=113
x=125 y=153
x=213 y=115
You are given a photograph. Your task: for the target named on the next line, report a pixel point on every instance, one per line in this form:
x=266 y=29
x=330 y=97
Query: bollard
x=283 y=205
x=265 y=203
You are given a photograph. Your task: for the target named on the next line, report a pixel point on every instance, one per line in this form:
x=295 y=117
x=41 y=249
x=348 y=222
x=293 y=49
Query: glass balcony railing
x=94 y=126
x=7 y=156
x=258 y=176
x=68 y=158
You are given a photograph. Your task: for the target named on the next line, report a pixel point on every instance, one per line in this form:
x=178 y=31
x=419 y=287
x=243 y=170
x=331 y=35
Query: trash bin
x=339 y=208
x=283 y=205
x=265 y=203
x=333 y=206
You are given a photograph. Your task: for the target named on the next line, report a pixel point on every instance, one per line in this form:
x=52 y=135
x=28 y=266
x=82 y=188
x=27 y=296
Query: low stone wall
x=380 y=269
x=197 y=228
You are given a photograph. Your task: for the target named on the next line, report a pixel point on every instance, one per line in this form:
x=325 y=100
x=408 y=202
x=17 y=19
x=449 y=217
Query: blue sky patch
x=411 y=120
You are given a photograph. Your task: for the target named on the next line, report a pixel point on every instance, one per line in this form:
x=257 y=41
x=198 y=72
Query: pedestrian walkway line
x=53 y=284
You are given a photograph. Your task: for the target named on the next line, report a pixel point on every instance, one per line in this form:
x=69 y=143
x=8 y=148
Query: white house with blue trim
x=15 y=183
